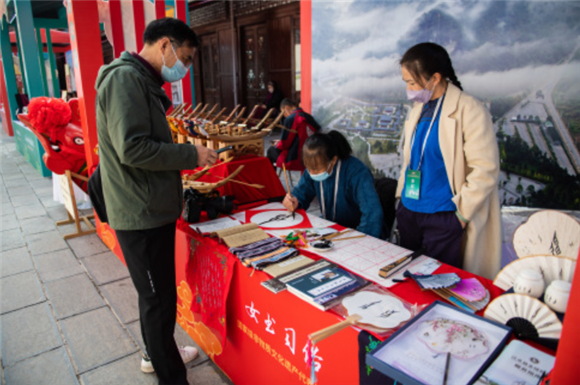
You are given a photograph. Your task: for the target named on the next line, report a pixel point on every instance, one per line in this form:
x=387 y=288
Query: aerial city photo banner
x=521 y=58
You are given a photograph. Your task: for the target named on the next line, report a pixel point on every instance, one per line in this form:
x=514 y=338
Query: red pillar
x=117 y=27
x=5 y=114
x=306 y=54
x=181 y=13
x=85 y=35
x=566 y=367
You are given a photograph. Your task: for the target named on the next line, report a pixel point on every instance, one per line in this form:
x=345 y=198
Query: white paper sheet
x=216 y=225
x=363 y=256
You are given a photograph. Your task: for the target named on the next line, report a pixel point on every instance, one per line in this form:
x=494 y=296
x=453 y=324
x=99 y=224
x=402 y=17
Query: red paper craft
x=278 y=219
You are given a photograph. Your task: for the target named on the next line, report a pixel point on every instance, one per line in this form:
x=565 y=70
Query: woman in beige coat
x=448 y=184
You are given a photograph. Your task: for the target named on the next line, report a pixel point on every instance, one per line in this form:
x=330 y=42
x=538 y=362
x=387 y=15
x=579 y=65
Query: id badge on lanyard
x=413 y=184
x=413 y=177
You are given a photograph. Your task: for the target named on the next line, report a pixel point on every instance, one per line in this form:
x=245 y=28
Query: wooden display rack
x=257 y=146
x=70 y=203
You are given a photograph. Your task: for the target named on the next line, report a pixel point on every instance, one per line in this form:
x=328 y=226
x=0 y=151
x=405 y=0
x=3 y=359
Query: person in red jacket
x=288 y=150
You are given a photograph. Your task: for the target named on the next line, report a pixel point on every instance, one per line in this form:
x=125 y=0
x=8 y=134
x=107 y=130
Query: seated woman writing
x=343 y=184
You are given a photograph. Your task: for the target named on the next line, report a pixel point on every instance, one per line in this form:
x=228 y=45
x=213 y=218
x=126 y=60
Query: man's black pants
x=150 y=257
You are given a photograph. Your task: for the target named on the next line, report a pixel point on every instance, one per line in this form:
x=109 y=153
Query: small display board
x=70 y=204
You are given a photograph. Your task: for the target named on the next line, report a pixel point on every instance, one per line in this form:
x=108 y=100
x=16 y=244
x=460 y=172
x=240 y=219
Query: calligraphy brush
x=288 y=186
x=447 y=361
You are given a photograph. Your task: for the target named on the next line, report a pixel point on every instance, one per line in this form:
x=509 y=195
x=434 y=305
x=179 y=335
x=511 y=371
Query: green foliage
x=382 y=146
x=360 y=149
x=562 y=190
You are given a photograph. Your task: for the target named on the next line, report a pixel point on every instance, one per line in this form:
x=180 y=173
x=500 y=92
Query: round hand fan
x=369 y=308
x=443 y=335
x=527 y=316
x=548 y=232
x=551 y=267
x=382 y=311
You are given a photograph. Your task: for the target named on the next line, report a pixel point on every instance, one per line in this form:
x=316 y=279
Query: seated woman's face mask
x=321 y=176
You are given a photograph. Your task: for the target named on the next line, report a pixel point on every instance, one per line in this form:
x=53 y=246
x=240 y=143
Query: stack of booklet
x=322 y=284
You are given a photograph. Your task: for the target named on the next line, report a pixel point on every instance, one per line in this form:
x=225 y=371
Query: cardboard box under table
x=256 y=336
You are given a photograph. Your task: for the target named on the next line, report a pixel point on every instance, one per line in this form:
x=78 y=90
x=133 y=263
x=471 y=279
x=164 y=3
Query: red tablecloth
x=257 y=170
x=265 y=332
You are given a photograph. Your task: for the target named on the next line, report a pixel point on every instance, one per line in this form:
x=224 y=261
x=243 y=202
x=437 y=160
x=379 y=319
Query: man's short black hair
x=288 y=102
x=175 y=29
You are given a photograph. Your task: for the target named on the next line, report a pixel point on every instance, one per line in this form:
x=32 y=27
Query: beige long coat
x=471 y=157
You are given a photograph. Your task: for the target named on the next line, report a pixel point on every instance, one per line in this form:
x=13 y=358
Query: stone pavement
x=68 y=309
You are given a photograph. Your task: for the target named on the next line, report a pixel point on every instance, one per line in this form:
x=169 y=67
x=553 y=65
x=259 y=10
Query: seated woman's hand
x=290 y=202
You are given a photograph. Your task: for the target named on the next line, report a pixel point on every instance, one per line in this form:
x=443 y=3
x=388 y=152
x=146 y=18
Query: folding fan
x=552 y=267
x=548 y=232
x=469 y=289
x=527 y=316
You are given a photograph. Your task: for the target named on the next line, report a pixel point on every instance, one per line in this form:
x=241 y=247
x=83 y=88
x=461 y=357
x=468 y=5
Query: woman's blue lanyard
x=426 y=136
x=336 y=179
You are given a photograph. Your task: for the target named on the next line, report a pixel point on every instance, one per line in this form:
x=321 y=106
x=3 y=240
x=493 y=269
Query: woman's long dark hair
x=425 y=59
x=322 y=148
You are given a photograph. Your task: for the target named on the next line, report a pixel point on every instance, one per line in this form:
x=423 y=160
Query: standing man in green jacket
x=140 y=170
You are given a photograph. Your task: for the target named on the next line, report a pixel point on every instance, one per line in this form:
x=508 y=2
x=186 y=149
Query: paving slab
x=15 y=261
x=58 y=213
x=56 y=265
x=134 y=329
x=95 y=338
x=12 y=175
x=53 y=367
x=12 y=239
x=28 y=332
x=24 y=200
x=30 y=211
x=73 y=295
x=20 y=290
x=9 y=222
x=125 y=371
x=16 y=182
x=39 y=183
x=87 y=245
x=43 y=191
x=7 y=208
x=71 y=228
x=207 y=373
x=105 y=268
x=40 y=224
x=45 y=242
x=48 y=201
x=183 y=339
x=123 y=299
x=22 y=190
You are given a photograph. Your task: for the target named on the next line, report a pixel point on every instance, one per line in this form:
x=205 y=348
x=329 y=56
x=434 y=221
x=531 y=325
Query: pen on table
x=288 y=187
x=447 y=361
x=393 y=267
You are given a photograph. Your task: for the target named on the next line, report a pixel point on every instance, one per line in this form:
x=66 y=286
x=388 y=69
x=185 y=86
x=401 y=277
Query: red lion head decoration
x=57 y=126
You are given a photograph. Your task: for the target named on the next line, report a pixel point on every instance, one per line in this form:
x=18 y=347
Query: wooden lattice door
x=210 y=69
x=254 y=64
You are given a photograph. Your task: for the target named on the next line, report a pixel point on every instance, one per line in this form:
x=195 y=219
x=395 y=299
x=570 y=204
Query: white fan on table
x=527 y=316
x=548 y=232
x=551 y=267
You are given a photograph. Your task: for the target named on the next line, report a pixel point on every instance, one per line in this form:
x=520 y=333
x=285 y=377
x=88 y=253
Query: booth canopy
x=60 y=40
